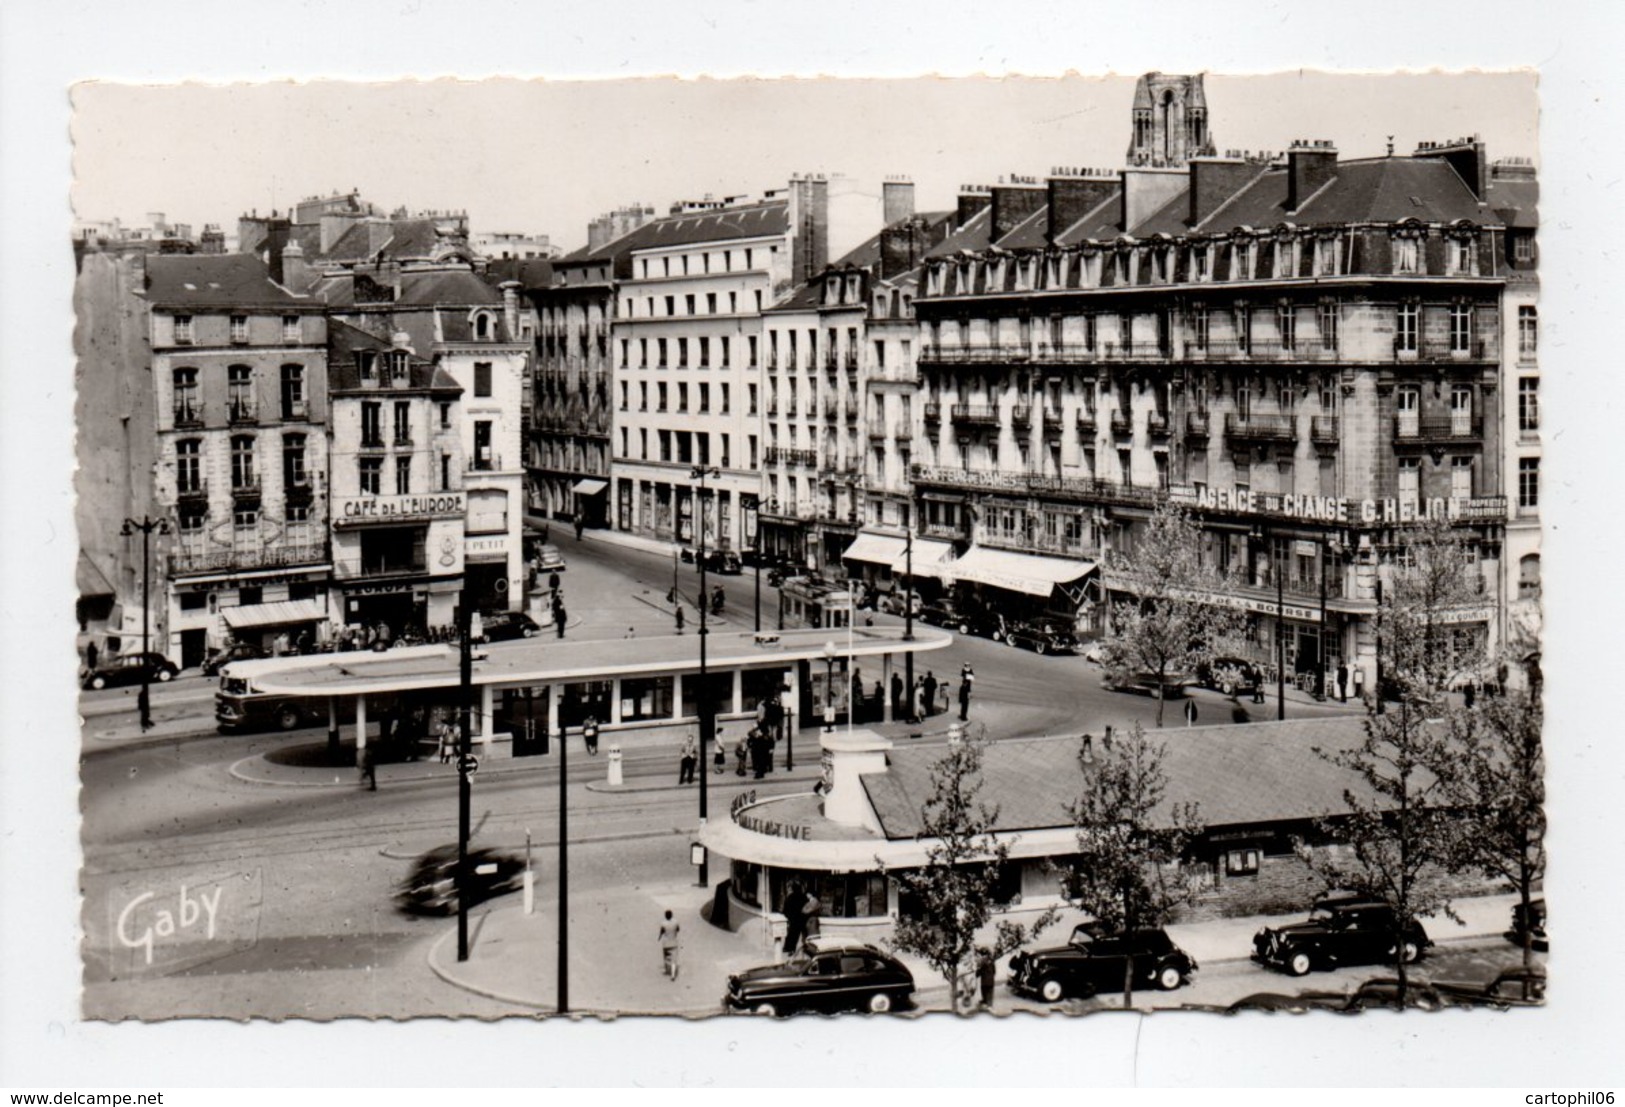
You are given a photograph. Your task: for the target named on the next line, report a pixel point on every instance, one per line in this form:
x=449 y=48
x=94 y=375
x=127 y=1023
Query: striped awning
x=590 y=486
x=1031 y=574
x=276 y=613
x=875 y=548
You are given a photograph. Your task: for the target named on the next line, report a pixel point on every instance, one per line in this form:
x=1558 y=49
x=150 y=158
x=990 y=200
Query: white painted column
x=739 y=691
x=554 y=692
x=885 y=687
x=360 y=723
x=487 y=695
x=615 y=701
x=677 y=696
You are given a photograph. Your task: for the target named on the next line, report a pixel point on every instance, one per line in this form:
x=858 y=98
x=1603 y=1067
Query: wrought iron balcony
x=246 y=488
x=1447 y=428
x=192 y=491
x=984 y=415
x=198 y=558
x=1156 y=422
x=993 y=354
x=1323 y=428
x=1086 y=421
x=188 y=415
x=1432 y=352
x=1120 y=423
x=1054 y=418
x=242 y=411
x=933 y=413
x=1021 y=415
x=1261 y=428
x=1197 y=424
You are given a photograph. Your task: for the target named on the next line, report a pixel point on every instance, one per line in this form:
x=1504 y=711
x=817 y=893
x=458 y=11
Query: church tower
x=1170 y=121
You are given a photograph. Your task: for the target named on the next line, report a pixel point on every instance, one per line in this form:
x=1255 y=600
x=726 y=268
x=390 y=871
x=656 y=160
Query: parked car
x=1534 y=923
x=724 y=562
x=1382 y=991
x=501 y=626
x=1345 y=930
x=549 y=560
x=1231 y=675
x=892 y=602
x=1170 y=686
x=943 y=613
x=225 y=655
x=1092 y=962
x=1041 y=636
x=823 y=977
x=430 y=888
x=131 y=668
x=1518 y=987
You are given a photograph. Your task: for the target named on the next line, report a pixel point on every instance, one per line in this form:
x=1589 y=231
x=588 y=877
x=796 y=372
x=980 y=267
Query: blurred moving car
x=225 y=655
x=501 y=626
x=824 y=976
x=1382 y=991
x=549 y=560
x=1234 y=676
x=1170 y=686
x=723 y=562
x=1343 y=930
x=430 y=888
x=1533 y=923
x=1093 y=961
x=892 y=602
x=131 y=668
x=1041 y=636
x=1517 y=987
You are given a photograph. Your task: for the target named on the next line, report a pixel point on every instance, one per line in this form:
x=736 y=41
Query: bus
x=240 y=704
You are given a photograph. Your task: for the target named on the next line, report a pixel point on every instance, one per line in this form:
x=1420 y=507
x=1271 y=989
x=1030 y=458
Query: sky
x=546 y=156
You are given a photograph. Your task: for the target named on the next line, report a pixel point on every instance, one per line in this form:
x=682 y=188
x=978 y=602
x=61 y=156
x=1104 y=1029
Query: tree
x=956 y=888
x=1401 y=831
x=1494 y=776
x=1128 y=872
x=1171 y=625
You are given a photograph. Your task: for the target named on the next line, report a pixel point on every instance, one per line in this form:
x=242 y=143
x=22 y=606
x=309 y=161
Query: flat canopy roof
x=540 y=661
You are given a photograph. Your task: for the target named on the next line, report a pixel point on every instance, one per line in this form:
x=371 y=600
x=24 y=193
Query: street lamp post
x=829 y=687
x=708 y=720
x=908 y=613
x=146 y=526
x=1280 y=640
x=465 y=720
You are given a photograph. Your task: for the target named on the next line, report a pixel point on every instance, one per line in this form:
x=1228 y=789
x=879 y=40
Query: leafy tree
x=1494 y=776
x=1402 y=830
x=1170 y=626
x=956 y=887
x=1128 y=872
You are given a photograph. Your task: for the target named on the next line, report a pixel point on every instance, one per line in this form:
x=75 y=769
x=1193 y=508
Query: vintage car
x=1169 y=686
x=892 y=602
x=1092 y=961
x=1041 y=636
x=823 y=976
x=549 y=560
x=131 y=668
x=1234 y=676
x=1516 y=987
x=1383 y=991
x=1345 y=930
x=500 y=626
x=431 y=887
x=225 y=655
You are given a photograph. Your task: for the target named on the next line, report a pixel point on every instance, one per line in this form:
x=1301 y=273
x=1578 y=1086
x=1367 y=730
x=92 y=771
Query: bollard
x=529 y=888
x=615 y=765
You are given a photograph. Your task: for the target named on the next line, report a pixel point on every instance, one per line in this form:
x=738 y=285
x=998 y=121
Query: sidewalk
x=615 y=959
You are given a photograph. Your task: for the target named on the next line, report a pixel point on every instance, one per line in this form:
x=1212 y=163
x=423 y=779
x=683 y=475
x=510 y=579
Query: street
x=307 y=924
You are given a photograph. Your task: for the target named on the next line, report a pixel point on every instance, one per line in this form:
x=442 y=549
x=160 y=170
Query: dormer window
x=1325 y=257
x=1407 y=254
x=482 y=327
x=1200 y=270
x=397 y=366
x=366 y=365
x=1462 y=257
x=239 y=328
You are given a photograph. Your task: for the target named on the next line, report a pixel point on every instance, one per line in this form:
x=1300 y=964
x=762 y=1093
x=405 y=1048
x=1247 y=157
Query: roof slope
x=215 y=280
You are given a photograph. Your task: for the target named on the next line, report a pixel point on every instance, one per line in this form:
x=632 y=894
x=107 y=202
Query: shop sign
x=368 y=509
x=1339 y=509
x=475 y=546
x=1249 y=603
x=391 y=589
x=795 y=831
x=741 y=801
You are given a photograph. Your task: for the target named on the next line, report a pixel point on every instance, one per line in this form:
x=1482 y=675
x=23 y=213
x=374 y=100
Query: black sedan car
x=1344 y=930
x=1234 y=676
x=501 y=626
x=431 y=887
x=131 y=668
x=1093 y=962
x=1041 y=636
x=824 y=977
x=237 y=651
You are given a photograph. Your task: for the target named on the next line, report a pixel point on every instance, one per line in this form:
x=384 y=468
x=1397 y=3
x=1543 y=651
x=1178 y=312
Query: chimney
x=1465 y=156
x=972 y=199
x=1215 y=180
x=1074 y=193
x=1145 y=191
x=1012 y=203
x=896 y=200
x=809 y=226
x=296 y=276
x=904 y=244
x=270 y=250
x=1309 y=165
x=510 y=308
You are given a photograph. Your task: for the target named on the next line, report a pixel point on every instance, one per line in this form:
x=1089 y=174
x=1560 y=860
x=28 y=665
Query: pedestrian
x=448 y=740
x=90 y=656
x=928 y=695
x=756 y=746
x=1258 y=690
x=581 y=525
x=794 y=921
x=986 y=972
x=856 y=706
x=553 y=582
x=589 y=734
x=918 y=707
x=680 y=618
x=560 y=617
x=1359 y=684
x=717 y=600
x=1190 y=712
x=1467 y=695
x=812 y=909
x=1342 y=683
x=897 y=695
x=1238 y=713
x=367 y=762
x=690 y=758
x=964 y=700
x=741 y=752
x=669 y=930
x=301 y=644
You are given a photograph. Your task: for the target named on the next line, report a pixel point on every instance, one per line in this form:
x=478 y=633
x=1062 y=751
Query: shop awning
x=877 y=549
x=1017 y=572
x=590 y=486
x=928 y=553
x=275 y=613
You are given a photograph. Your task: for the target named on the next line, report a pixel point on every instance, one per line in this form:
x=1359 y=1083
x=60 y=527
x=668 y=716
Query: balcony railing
x=246 y=488
x=1120 y=423
x=1323 y=428
x=933 y=413
x=188 y=416
x=1054 y=418
x=1021 y=415
x=1086 y=421
x=372 y=442
x=877 y=430
x=942 y=530
x=377 y=567
x=1156 y=422
x=1197 y=424
x=239 y=412
x=192 y=491
x=1261 y=428
x=831 y=407
x=850 y=361
x=1005 y=481
x=976 y=414
x=1257 y=349
x=188 y=558
x=295 y=410
x=1440 y=351
x=403 y=438
x=953 y=354
x=1034 y=542
x=1448 y=428
x=773 y=405
x=777 y=454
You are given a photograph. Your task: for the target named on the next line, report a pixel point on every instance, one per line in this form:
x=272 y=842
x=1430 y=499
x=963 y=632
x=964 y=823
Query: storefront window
x=722 y=693
x=761 y=684
x=646 y=698
x=744 y=878
x=843 y=895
